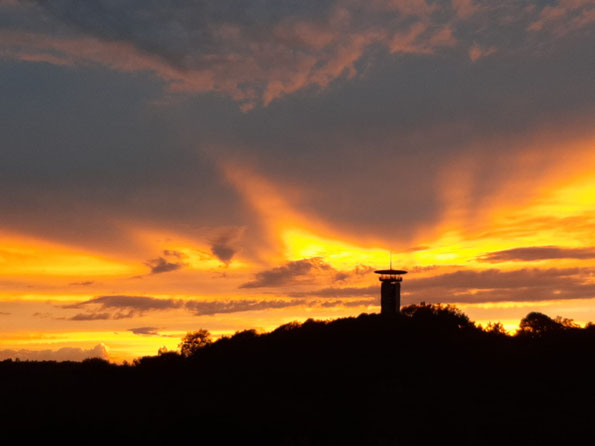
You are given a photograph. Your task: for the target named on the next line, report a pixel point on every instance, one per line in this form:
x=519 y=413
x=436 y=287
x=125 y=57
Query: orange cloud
x=476 y=52
x=292 y=234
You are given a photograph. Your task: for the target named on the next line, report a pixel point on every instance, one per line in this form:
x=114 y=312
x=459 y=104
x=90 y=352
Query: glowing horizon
x=226 y=169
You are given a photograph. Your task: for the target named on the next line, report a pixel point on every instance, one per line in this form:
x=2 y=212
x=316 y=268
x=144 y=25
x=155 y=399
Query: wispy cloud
x=536 y=253
x=145 y=331
x=124 y=307
x=493 y=285
x=82 y=283
x=161 y=265
x=288 y=273
x=120 y=307
x=99 y=316
x=219 y=307
x=170 y=261
x=302 y=272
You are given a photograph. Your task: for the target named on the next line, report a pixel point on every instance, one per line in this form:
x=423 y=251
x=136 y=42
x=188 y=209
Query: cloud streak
x=124 y=307
x=299 y=272
x=537 y=253
x=471 y=286
x=523 y=285
x=210 y=308
x=289 y=273
x=121 y=307
x=145 y=331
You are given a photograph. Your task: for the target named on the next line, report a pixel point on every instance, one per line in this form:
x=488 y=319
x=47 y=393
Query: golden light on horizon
x=25 y=256
x=49 y=273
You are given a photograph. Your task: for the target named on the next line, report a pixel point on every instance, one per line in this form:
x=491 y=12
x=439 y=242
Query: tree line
x=426 y=376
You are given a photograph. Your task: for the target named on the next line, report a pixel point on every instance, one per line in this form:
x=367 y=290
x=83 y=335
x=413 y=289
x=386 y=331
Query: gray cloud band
x=121 y=307
x=258 y=51
x=536 y=253
x=492 y=285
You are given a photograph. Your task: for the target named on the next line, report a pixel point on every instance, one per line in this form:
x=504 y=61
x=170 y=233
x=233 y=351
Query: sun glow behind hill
x=42 y=278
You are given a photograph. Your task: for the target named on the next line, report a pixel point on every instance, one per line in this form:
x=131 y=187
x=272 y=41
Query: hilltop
x=426 y=376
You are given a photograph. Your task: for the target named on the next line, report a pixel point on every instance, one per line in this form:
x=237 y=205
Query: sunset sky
x=170 y=165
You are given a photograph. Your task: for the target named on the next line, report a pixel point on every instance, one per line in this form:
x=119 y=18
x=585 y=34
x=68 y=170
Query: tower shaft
x=390 y=297
x=390 y=291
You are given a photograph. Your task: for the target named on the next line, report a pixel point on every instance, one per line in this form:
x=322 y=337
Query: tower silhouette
x=390 y=290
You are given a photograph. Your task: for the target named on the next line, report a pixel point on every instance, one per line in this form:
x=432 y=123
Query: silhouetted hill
x=428 y=376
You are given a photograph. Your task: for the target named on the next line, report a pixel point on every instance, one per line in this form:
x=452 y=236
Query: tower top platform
x=390 y=272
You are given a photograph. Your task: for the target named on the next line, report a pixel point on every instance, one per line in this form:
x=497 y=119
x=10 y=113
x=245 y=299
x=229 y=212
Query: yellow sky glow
x=43 y=275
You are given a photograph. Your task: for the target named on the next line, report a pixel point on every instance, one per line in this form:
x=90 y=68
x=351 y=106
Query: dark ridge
x=426 y=376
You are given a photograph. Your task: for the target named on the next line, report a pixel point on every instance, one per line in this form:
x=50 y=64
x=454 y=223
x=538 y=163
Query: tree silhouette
x=566 y=322
x=194 y=341
x=537 y=324
x=438 y=316
x=495 y=328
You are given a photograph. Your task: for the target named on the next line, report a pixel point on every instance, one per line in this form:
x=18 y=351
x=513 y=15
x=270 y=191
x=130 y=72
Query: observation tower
x=390 y=290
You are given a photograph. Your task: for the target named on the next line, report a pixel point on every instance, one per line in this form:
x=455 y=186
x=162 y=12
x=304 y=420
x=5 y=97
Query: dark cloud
x=161 y=265
x=358 y=271
x=218 y=307
x=421 y=269
x=62 y=354
x=288 y=273
x=222 y=249
x=494 y=278
x=223 y=252
x=145 y=331
x=134 y=303
x=301 y=271
x=326 y=303
x=224 y=245
x=4 y=313
x=495 y=286
x=172 y=253
x=566 y=289
x=536 y=253
x=121 y=307
x=97 y=316
x=84 y=283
